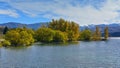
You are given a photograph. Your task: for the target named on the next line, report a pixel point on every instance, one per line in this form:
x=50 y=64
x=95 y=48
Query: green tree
x=73 y=31
x=13 y=36
x=85 y=35
x=106 y=33
x=60 y=36
x=5 y=43
x=97 y=34
x=25 y=38
x=19 y=37
x=71 y=28
x=44 y=35
x=0 y=44
x=29 y=31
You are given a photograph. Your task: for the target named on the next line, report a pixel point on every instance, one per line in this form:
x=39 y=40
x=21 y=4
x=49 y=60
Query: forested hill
x=114 y=29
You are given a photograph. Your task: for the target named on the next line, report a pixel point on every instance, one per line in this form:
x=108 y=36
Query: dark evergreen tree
x=5 y=30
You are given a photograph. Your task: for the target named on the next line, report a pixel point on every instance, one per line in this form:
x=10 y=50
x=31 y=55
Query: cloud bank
x=82 y=12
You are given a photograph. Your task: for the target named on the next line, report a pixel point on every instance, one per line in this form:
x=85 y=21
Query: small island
x=55 y=31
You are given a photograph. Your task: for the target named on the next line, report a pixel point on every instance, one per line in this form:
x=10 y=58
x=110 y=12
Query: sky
x=83 y=12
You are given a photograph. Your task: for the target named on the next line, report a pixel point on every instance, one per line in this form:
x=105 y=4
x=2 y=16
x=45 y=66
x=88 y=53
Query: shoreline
x=114 y=38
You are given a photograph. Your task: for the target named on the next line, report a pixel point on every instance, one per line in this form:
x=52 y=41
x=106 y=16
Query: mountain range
x=114 y=29
x=15 y=25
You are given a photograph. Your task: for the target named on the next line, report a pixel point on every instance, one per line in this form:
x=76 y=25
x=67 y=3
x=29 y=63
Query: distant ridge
x=114 y=29
x=15 y=25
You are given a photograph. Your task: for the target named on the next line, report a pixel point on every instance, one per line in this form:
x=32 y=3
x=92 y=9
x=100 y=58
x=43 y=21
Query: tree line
x=56 y=31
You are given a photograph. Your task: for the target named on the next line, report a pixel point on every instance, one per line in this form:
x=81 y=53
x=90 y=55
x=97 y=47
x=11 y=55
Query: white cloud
x=64 y=9
x=9 y=12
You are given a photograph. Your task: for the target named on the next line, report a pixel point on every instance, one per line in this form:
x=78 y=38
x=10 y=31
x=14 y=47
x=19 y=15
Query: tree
x=19 y=37
x=5 y=43
x=60 y=36
x=73 y=32
x=70 y=27
x=30 y=31
x=96 y=34
x=25 y=38
x=85 y=35
x=13 y=36
x=106 y=33
x=44 y=35
x=5 y=30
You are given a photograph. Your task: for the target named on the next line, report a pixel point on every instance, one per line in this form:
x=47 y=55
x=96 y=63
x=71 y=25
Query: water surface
x=99 y=54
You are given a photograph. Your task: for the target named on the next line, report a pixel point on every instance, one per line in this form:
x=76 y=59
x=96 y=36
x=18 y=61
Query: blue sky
x=82 y=12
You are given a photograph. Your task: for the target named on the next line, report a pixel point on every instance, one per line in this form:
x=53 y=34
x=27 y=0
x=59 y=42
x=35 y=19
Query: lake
x=95 y=54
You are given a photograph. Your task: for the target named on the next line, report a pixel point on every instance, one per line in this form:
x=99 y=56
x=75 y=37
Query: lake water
x=99 y=54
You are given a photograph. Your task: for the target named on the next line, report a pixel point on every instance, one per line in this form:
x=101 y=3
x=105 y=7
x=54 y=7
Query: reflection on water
x=58 y=43
x=98 y=54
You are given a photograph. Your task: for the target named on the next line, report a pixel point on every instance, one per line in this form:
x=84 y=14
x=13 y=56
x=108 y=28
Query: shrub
x=19 y=37
x=44 y=34
x=60 y=36
x=6 y=43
